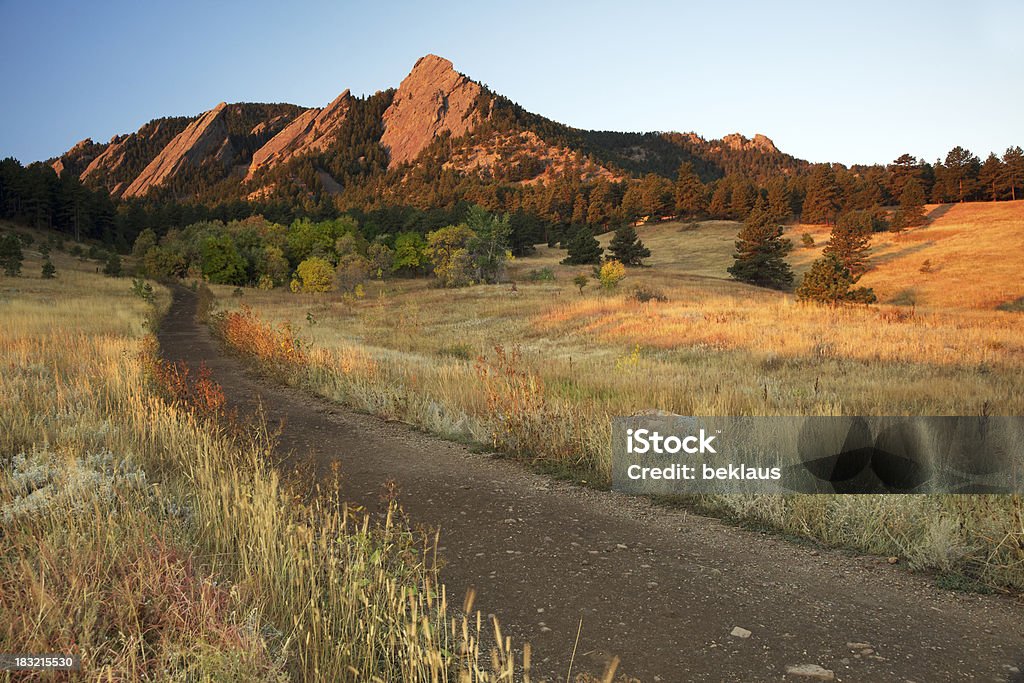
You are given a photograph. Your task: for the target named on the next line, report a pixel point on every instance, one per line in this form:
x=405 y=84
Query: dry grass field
x=538 y=370
x=144 y=533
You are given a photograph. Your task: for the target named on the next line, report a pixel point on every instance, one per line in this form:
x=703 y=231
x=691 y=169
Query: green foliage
x=583 y=249
x=315 y=274
x=448 y=252
x=11 y=255
x=581 y=281
x=823 y=196
x=308 y=238
x=221 y=262
x=410 y=254
x=829 y=281
x=142 y=289
x=489 y=246
x=49 y=270
x=760 y=257
x=113 y=266
x=542 y=275
x=807 y=240
x=627 y=248
x=850 y=242
x=611 y=274
x=911 y=210
x=381 y=258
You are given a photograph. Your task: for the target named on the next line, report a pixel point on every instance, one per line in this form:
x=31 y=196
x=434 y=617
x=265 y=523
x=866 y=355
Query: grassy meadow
x=143 y=532
x=537 y=370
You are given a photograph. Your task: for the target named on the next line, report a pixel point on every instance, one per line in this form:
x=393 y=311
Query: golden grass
x=568 y=363
x=157 y=543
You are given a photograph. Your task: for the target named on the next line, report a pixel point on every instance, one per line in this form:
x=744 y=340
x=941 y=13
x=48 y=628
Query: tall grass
x=552 y=368
x=143 y=532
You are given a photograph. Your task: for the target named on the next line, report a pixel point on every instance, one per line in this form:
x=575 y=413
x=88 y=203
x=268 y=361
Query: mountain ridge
x=485 y=134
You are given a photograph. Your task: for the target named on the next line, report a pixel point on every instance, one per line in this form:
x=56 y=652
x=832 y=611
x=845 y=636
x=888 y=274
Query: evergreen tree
x=11 y=255
x=583 y=248
x=690 y=193
x=990 y=175
x=1013 y=170
x=760 y=257
x=829 y=281
x=627 y=247
x=850 y=242
x=822 y=201
x=900 y=171
x=779 y=207
x=743 y=198
x=113 y=265
x=49 y=271
x=721 y=199
x=962 y=167
x=911 y=210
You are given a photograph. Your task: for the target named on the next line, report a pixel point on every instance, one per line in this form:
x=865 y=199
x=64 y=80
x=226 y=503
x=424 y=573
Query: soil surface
x=661 y=588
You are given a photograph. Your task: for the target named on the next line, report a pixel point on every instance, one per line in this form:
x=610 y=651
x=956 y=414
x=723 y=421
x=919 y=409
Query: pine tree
x=627 y=247
x=49 y=271
x=962 y=167
x=822 y=201
x=113 y=265
x=829 y=281
x=583 y=248
x=1013 y=170
x=721 y=198
x=900 y=171
x=990 y=175
x=911 y=210
x=11 y=255
x=690 y=193
x=850 y=242
x=779 y=207
x=760 y=257
x=743 y=197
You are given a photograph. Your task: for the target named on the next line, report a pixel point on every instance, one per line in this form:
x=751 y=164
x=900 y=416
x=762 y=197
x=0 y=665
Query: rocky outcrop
x=205 y=136
x=740 y=143
x=433 y=99
x=108 y=158
x=311 y=132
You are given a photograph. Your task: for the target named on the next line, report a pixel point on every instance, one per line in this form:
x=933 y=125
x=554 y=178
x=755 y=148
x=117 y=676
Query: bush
x=113 y=266
x=611 y=274
x=581 y=280
x=542 y=275
x=314 y=275
x=646 y=293
x=807 y=240
x=49 y=271
x=829 y=281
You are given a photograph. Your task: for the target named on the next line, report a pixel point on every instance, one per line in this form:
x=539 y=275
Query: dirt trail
x=662 y=589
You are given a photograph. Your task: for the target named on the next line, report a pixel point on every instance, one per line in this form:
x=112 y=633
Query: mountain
x=438 y=122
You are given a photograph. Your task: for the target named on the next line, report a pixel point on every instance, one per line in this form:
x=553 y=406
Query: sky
x=851 y=82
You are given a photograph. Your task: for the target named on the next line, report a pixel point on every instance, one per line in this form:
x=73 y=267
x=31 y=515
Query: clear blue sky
x=855 y=82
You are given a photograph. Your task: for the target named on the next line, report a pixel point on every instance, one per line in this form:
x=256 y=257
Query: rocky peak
x=203 y=137
x=311 y=132
x=434 y=98
x=740 y=143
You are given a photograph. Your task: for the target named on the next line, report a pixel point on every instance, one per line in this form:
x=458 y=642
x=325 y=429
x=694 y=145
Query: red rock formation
x=205 y=136
x=311 y=132
x=433 y=98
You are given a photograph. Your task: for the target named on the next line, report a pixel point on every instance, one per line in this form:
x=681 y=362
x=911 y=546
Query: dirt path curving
x=662 y=589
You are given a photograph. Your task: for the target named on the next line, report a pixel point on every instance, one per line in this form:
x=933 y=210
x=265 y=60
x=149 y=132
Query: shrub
x=829 y=281
x=611 y=274
x=314 y=275
x=49 y=271
x=113 y=266
x=542 y=275
x=926 y=267
x=644 y=293
x=581 y=280
x=807 y=240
